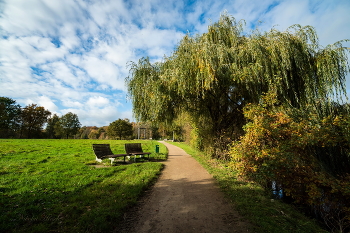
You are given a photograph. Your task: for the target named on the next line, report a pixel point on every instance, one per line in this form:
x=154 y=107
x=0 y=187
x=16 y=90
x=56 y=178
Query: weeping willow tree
x=212 y=76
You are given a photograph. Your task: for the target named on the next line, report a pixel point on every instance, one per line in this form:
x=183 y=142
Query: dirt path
x=184 y=199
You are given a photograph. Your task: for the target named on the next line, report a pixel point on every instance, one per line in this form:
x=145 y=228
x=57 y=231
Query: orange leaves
x=287 y=146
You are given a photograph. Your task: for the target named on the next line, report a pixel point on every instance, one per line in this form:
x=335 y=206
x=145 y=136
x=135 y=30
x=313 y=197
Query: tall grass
x=49 y=186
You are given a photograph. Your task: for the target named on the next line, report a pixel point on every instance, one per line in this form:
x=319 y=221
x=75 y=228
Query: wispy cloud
x=72 y=55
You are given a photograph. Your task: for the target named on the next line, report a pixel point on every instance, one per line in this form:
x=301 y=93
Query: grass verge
x=252 y=202
x=53 y=185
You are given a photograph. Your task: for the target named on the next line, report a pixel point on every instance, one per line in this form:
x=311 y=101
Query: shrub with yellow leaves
x=307 y=155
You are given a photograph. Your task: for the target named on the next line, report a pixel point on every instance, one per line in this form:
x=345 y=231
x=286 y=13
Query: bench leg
x=98 y=160
x=112 y=160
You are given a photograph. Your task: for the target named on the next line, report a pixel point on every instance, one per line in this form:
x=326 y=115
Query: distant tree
x=101 y=133
x=83 y=132
x=94 y=133
x=155 y=132
x=9 y=117
x=33 y=118
x=50 y=127
x=68 y=125
x=120 y=128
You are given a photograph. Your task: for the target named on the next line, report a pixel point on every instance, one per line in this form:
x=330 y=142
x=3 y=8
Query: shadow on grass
x=156 y=157
x=94 y=207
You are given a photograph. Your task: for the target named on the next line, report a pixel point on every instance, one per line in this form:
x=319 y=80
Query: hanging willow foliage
x=213 y=75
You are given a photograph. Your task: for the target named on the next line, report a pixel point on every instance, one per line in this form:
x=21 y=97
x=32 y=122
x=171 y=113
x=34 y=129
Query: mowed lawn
x=53 y=186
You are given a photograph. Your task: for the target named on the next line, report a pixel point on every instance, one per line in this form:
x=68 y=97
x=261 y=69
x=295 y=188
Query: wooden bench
x=133 y=149
x=103 y=151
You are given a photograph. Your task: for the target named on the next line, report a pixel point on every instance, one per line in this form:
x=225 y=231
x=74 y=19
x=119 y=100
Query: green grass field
x=53 y=185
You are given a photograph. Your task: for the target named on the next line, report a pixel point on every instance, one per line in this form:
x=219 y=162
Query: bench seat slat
x=114 y=156
x=143 y=153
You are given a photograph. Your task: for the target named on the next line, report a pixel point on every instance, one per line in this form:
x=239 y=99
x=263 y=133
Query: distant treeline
x=33 y=121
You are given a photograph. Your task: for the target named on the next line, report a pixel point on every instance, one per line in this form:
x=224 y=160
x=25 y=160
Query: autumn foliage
x=307 y=156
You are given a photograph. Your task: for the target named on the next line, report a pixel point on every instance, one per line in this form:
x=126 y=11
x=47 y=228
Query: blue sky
x=72 y=55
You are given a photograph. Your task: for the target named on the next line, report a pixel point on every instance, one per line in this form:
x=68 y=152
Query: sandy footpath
x=184 y=199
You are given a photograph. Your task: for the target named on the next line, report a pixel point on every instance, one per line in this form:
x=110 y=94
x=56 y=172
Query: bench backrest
x=102 y=150
x=133 y=148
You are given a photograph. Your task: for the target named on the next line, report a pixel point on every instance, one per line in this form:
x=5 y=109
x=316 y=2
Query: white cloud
x=118 y=54
x=42 y=101
x=24 y=17
x=105 y=13
x=47 y=103
x=329 y=19
x=68 y=37
x=103 y=71
x=97 y=101
x=97 y=111
x=72 y=104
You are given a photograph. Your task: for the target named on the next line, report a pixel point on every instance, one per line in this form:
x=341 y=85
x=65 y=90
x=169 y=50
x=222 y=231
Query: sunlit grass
x=47 y=185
